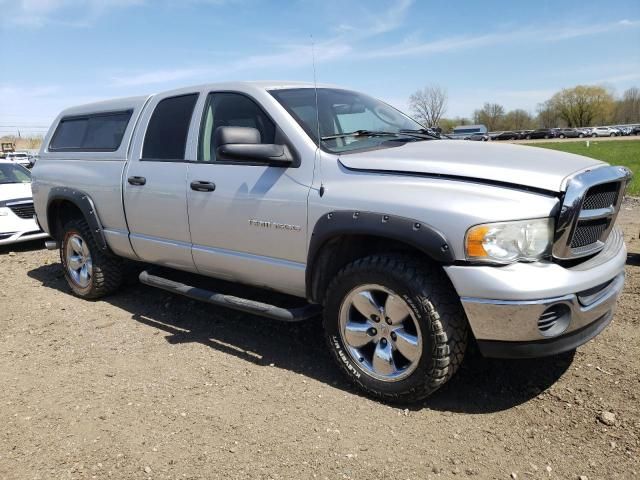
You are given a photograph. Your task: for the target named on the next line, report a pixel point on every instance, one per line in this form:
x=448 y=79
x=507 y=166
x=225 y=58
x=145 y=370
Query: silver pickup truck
x=408 y=245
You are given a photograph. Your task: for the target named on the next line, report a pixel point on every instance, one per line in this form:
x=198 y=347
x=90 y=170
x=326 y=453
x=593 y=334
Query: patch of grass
x=621 y=152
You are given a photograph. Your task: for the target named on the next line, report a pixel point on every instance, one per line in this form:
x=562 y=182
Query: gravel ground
x=146 y=385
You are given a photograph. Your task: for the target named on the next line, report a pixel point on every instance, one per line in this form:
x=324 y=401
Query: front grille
x=590 y=206
x=23 y=210
x=601 y=196
x=589 y=232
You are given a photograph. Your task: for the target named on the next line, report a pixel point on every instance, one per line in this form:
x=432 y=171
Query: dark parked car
x=540 y=133
x=522 y=134
x=635 y=130
x=508 y=135
x=570 y=133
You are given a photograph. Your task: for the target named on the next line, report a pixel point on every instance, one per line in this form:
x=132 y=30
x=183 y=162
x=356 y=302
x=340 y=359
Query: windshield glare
x=13 y=174
x=344 y=111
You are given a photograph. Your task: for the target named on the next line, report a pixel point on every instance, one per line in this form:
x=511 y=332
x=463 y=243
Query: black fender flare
x=415 y=233
x=85 y=204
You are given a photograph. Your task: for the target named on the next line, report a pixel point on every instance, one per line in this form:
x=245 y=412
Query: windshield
x=13 y=174
x=349 y=120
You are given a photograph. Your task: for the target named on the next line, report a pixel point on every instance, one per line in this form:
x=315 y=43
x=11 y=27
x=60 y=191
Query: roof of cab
x=135 y=102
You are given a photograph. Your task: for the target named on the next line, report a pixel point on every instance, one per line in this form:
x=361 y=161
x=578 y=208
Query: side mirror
x=242 y=144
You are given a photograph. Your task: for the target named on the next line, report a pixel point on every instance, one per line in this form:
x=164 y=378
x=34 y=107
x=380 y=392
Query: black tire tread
x=449 y=334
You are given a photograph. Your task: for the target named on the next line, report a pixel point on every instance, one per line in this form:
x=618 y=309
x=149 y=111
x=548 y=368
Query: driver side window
x=231 y=110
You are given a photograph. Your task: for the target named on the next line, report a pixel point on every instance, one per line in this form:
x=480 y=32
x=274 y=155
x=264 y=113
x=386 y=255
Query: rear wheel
x=90 y=272
x=395 y=326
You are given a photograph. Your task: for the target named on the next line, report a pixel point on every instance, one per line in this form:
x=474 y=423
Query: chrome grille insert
x=589 y=232
x=601 y=196
x=591 y=204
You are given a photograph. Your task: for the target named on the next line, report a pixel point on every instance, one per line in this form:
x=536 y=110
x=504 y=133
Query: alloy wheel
x=78 y=261
x=380 y=332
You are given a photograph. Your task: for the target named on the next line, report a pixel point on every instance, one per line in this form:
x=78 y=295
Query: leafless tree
x=627 y=109
x=429 y=105
x=490 y=115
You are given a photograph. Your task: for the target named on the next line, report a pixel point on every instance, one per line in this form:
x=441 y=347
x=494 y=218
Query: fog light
x=554 y=320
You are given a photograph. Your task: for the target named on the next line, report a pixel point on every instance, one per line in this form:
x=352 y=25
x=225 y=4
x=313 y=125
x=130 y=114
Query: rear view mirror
x=242 y=144
x=349 y=108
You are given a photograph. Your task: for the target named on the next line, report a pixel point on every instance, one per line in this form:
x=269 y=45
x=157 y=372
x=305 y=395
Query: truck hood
x=14 y=191
x=533 y=167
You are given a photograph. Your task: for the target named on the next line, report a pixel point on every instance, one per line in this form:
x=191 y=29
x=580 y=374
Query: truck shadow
x=481 y=385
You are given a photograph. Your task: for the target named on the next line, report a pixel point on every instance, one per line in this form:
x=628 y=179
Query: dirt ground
x=147 y=385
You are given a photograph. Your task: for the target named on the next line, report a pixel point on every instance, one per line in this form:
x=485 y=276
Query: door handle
x=137 y=180
x=202 y=186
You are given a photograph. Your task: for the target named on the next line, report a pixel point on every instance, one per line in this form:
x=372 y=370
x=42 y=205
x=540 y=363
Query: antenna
x=315 y=88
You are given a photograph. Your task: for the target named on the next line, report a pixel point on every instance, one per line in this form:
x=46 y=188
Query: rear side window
x=166 y=137
x=99 y=132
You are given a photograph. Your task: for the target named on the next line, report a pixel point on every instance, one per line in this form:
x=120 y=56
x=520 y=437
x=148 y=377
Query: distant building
x=462 y=131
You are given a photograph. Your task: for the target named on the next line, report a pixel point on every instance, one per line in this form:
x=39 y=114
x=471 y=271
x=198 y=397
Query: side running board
x=243 y=304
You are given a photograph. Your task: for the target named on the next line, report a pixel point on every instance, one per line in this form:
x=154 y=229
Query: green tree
x=583 y=105
x=518 y=119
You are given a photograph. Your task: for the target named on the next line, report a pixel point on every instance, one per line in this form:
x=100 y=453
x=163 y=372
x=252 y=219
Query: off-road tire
x=436 y=306
x=107 y=268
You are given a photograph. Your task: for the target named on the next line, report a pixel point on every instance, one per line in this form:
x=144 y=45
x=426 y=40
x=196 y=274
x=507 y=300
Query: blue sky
x=58 y=53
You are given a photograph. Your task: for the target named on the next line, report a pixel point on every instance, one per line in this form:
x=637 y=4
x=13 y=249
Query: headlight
x=507 y=242
x=4 y=211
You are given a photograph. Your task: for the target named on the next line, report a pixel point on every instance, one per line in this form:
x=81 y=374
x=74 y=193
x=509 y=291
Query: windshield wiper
x=362 y=133
x=422 y=132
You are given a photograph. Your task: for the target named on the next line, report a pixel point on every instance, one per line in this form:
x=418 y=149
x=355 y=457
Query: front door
x=155 y=184
x=250 y=223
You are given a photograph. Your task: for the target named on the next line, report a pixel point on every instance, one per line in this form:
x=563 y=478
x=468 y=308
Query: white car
x=21 y=158
x=16 y=205
x=604 y=132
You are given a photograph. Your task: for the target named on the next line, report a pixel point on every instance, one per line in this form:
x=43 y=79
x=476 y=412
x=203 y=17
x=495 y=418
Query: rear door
x=155 y=183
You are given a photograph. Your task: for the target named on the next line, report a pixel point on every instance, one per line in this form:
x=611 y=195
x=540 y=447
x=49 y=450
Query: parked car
x=478 y=137
x=409 y=245
x=635 y=130
x=624 y=129
x=570 y=133
x=17 y=222
x=604 y=132
x=508 y=135
x=522 y=134
x=540 y=133
x=21 y=158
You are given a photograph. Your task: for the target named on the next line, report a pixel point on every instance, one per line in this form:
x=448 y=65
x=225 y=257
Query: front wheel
x=395 y=326
x=90 y=272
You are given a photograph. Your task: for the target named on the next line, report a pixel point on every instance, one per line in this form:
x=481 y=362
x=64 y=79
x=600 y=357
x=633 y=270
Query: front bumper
x=15 y=230
x=509 y=308
x=17 y=237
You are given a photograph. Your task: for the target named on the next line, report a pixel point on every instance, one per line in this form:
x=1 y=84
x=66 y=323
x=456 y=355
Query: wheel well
x=339 y=251
x=60 y=212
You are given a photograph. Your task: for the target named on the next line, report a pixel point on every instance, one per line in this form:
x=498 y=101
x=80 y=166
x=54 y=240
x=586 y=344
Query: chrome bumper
x=511 y=316
x=19 y=237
